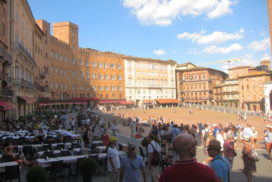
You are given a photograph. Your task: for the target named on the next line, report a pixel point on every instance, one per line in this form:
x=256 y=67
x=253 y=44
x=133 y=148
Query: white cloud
x=259 y=45
x=163 y=12
x=159 y=52
x=221 y=9
x=222 y=50
x=213 y=38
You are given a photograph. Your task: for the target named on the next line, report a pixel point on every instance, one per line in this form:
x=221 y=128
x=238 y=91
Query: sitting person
x=8 y=154
x=40 y=135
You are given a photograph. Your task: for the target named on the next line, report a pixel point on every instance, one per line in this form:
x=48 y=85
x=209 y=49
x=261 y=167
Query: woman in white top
x=113 y=160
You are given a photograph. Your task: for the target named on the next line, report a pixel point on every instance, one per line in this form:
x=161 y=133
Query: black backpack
x=156 y=158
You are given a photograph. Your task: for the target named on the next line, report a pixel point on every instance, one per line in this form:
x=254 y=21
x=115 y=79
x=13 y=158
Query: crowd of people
x=218 y=141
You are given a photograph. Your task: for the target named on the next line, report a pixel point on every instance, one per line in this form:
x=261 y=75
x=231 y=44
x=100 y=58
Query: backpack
x=206 y=135
x=156 y=158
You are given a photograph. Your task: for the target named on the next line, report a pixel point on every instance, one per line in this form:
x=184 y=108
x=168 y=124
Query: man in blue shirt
x=219 y=164
x=175 y=131
x=131 y=166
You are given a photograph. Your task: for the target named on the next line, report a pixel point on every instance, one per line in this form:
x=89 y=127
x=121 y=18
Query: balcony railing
x=4 y=55
x=25 y=83
x=42 y=88
x=21 y=48
x=7 y=92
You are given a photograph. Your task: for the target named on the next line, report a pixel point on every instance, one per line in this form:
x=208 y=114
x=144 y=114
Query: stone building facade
x=149 y=79
x=195 y=85
x=6 y=92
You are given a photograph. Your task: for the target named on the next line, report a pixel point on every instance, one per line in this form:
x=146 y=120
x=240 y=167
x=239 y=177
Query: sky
x=196 y=31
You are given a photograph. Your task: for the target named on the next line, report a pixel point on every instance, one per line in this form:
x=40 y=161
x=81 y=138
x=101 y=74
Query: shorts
x=269 y=146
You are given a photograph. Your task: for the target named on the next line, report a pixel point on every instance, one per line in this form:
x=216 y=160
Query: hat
x=267 y=126
x=244 y=138
x=113 y=139
x=131 y=146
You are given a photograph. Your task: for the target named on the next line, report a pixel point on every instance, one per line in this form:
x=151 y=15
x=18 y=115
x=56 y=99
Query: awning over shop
x=108 y=102
x=167 y=101
x=126 y=102
x=148 y=101
x=29 y=100
x=6 y=106
x=83 y=103
x=87 y=98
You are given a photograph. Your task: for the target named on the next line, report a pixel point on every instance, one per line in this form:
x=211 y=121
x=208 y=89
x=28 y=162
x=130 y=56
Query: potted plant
x=87 y=168
x=36 y=174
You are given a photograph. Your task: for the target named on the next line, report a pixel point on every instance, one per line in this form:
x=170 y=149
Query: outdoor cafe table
x=5 y=164
x=46 y=163
x=97 y=142
x=100 y=149
x=71 y=159
x=100 y=156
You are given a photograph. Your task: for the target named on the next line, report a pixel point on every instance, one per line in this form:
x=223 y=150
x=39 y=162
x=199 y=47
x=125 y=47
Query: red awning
x=87 y=98
x=167 y=101
x=29 y=100
x=6 y=106
x=81 y=102
x=108 y=102
x=126 y=102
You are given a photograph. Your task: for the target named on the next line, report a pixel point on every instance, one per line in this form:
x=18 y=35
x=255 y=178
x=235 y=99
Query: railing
x=26 y=53
x=25 y=83
x=42 y=88
x=224 y=109
x=7 y=92
x=5 y=55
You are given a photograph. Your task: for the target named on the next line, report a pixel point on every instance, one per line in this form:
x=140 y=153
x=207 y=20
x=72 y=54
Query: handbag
x=255 y=155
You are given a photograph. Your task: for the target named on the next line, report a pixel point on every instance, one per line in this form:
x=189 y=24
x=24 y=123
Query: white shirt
x=247 y=132
x=114 y=155
x=150 y=148
x=220 y=138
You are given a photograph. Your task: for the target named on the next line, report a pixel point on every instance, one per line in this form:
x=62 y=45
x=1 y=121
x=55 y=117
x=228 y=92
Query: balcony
x=24 y=83
x=42 y=88
x=21 y=48
x=4 y=56
x=7 y=92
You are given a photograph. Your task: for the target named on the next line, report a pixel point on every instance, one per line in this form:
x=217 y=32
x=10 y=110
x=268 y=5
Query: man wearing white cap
x=268 y=136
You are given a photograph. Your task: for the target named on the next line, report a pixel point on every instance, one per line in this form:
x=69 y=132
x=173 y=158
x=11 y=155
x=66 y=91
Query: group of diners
x=65 y=155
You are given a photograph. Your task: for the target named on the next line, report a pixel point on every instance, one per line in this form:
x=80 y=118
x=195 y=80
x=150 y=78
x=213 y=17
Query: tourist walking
x=187 y=169
x=219 y=164
x=113 y=160
x=248 y=159
x=229 y=151
x=268 y=138
x=132 y=166
x=153 y=150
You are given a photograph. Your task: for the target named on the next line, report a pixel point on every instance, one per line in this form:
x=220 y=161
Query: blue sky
x=197 y=31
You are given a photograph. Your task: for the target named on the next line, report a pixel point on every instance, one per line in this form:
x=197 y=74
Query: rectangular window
x=94 y=76
x=87 y=63
x=112 y=65
x=106 y=65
